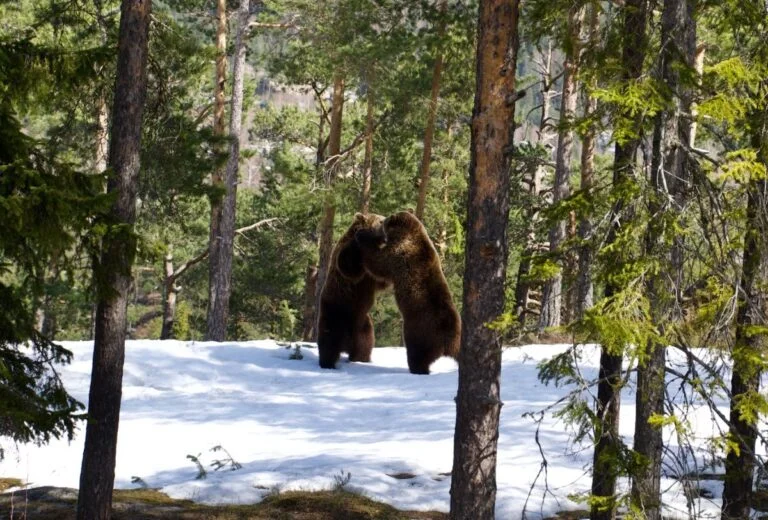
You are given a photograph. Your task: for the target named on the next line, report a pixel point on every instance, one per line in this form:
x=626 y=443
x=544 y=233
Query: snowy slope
x=294 y=426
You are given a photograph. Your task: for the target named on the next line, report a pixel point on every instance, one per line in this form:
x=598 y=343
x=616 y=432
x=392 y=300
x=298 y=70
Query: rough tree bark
x=584 y=286
x=429 y=132
x=478 y=404
x=310 y=289
x=751 y=338
x=222 y=245
x=607 y=447
x=670 y=179
x=365 y=192
x=522 y=285
x=552 y=293
x=325 y=245
x=113 y=269
x=213 y=315
x=309 y=332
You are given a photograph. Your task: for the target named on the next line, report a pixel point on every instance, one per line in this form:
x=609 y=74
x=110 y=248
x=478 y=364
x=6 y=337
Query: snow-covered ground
x=292 y=425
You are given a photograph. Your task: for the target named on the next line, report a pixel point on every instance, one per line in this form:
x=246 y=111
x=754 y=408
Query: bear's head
x=349 y=260
x=392 y=230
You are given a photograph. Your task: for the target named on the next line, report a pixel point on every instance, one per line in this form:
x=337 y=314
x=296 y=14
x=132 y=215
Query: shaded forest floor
x=51 y=503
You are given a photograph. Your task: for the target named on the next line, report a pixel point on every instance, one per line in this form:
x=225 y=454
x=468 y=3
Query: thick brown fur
x=347 y=296
x=398 y=250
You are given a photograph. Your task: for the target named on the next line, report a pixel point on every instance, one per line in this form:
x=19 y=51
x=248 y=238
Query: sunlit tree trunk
x=429 y=132
x=365 y=193
x=552 y=293
x=112 y=271
x=329 y=206
x=478 y=404
x=215 y=328
x=523 y=286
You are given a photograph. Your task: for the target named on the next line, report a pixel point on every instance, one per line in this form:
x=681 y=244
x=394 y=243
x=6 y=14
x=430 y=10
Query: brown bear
x=399 y=251
x=346 y=298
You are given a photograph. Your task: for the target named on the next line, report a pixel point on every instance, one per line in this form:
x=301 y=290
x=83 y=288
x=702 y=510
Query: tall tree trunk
x=478 y=402
x=584 y=285
x=221 y=257
x=329 y=206
x=113 y=270
x=429 y=132
x=309 y=332
x=607 y=447
x=751 y=338
x=311 y=290
x=698 y=65
x=523 y=285
x=170 y=292
x=552 y=294
x=214 y=311
x=670 y=176
x=669 y=179
x=365 y=194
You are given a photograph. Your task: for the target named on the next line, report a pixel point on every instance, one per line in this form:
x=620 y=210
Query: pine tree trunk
x=522 y=285
x=670 y=176
x=478 y=404
x=170 y=292
x=309 y=332
x=329 y=206
x=751 y=339
x=584 y=286
x=113 y=270
x=607 y=447
x=214 y=327
x=221 y=278
x=429 y=132
x=365 y=194
x=552 y=294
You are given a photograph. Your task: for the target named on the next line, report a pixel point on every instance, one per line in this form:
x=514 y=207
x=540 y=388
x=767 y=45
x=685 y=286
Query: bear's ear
x=359 y=218
x=349 y=262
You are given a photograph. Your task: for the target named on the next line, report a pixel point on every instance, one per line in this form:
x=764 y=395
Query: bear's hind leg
x=330 y=345
x=420 y=357
x=362 y=341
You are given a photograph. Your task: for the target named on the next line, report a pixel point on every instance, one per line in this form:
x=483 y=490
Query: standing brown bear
x=346 y=298
x=398 y=250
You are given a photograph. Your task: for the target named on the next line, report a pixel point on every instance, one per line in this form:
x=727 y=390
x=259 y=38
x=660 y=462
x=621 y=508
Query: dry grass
x=8 y=483
x=149 y=504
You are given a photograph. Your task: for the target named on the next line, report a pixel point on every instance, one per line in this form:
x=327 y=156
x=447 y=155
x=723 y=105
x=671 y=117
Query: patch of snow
x=295 y=426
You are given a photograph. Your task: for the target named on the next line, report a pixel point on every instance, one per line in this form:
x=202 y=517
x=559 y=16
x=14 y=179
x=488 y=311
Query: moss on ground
x=150 y=504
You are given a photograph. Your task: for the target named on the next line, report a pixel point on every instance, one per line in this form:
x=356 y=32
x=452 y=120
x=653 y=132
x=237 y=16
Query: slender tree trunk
x=584 y=285
x=221 y=278
x=170 y=293
x=552 y=294
x=365 y=194
x=670 y=176
x=698 y=65
x=311 y=290
x=310 y=283
x=478 y=403
x=608 y=443
x=113 y=269
x=523 y=285
x=215 y=308
x=751 y=339
x=429 y=132
x=329 y=206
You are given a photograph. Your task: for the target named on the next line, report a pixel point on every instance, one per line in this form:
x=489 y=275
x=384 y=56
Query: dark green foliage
x=46 y=205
